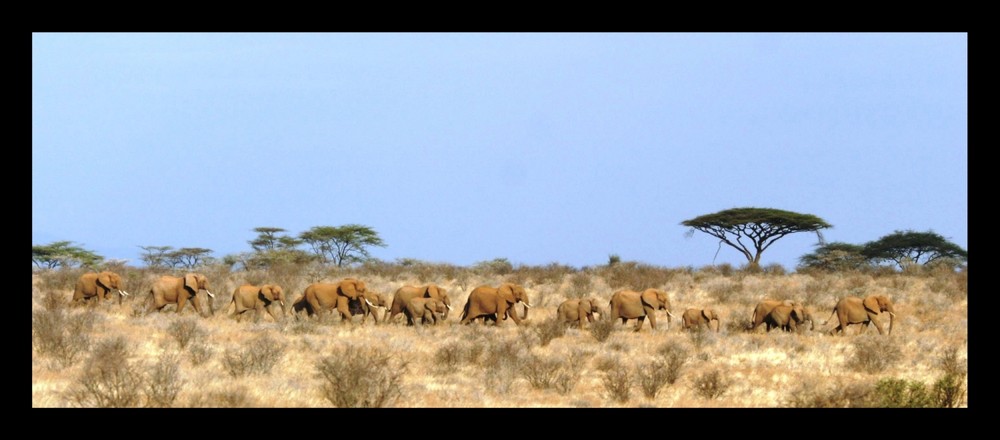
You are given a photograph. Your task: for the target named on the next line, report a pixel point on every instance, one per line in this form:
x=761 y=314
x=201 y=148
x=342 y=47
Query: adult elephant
x=179 y=290
x=499 y=301
x=320 y=297
x=854 y=310
x=367 y=305
x=694 y=318
x=629 y=304
x=576 y=310
x=789 y=318
x=426 y=309
x=762 y=309
x=404 y=294
x=258 y=298
x=98 y=285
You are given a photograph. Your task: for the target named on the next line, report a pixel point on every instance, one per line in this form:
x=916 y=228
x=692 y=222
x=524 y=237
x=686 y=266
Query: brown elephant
x=576 y=310
x=789 y=318
x=763 y=308
x=372 y=300
x=99 y=285
x=427 y=309
x=497 y=301
x=629 y=304
x=258 y=298
x=178 y=290
x=693 y=318
x=854 y=310
x=319 y=297
x=404 y=294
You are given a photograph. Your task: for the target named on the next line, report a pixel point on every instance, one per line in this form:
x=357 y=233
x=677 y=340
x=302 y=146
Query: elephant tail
x=832 y=313
x=465 y=311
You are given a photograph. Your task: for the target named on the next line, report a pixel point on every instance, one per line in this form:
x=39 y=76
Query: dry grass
x=165 y=360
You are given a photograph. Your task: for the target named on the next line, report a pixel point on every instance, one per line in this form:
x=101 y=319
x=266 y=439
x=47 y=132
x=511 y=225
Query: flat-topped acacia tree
x=760 y=226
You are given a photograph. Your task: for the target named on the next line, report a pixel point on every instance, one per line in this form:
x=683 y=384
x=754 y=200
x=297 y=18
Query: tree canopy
x=342 y=245
x=910 y=247
x=835 y=256
x=63 y=253
x=760 y=226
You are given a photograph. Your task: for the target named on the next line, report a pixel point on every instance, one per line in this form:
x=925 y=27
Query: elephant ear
x=708 y=314
x=191 y=281
x=104 y=279
x=507 y=292
x=649 y=298
x=430 y=291
x=267 y=291
x=871 y=303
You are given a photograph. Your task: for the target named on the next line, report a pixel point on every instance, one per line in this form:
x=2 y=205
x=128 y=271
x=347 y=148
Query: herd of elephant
x=430 y=304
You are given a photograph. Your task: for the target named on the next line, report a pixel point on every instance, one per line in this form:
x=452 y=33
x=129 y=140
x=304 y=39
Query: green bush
x=900 y=393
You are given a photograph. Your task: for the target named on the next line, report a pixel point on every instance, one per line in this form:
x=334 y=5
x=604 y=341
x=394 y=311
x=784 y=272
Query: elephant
x=371 y=300
x=178 y=290
x=98 y=285
x=259 y=298
x=854 y=310
x=629 y=304
x=404 y=294
x=693 y=318
x=484 y=301
x=427 y=309
x=575 y=310
x=328 y=296
x=788 y=318
x=763 y=308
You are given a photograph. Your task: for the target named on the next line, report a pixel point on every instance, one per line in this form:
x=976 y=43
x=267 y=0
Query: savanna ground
x=115 y=355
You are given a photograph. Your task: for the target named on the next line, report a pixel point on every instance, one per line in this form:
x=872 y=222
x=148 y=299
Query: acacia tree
x=63 y=253
x=760 y=226
x=189 y=257
x=343 y=244
x=835 y=256
x=156 y=256
x=909 y=247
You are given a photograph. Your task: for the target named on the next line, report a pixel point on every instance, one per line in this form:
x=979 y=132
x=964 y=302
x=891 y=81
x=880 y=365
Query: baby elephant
x=427 y=309
x=788 y=318
x=258 y=298
x=694 y=317
x=575 y=310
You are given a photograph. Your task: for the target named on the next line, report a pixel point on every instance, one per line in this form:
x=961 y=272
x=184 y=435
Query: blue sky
x=460 y=148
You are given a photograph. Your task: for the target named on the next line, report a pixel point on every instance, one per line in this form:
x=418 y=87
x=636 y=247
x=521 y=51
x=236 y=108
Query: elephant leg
x=197 y=305
x=344 y=308
x=181 y=301
x=878 y=326
x=638 y=322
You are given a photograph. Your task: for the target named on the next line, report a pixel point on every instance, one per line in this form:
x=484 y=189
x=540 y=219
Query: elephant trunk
x=447 y=309
x=892 y=318
x=284 y=311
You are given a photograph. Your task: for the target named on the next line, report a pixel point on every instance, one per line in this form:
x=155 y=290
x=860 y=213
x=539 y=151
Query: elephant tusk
x=527 y=305
x=449 y=307
x=671 y=314
x=122 y=293
x=210 y=294
x=369 y=303
x=892 y=314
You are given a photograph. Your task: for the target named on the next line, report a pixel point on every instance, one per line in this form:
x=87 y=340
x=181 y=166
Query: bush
x=602 y=329
x=711 y=385
x=674 y=356
x=164 y=382
x=258 y=357
x=109 y=379
x=362 y=377
x=653 y=377
x=62 y=336
x=549 y=330
x=235 y=398
x=900 y=393
x=540 y=372
x=617 y=380
x=570 y=372
x=949 y=390
x=184 y=330
x=811 y=394
x=199 y=353
x=874 y=353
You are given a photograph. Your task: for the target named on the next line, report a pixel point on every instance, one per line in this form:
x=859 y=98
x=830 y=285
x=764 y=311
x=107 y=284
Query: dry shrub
x=109 y=379
x=635 y=276
x=580 y=284
x=501 y=364
x=164 y=382
x=541 y=372
x=59 y=280
x=185 y=330
x=652 y=377
x=571 y=371
x=551 y=273
x=62 y=336
x=548 y=330
x=53 y=300
x=617 y=379
x=362 y=377
x=874 y=353
x=602 y=329
x=826 y=394
x=259 y=356
x=724 y=290
x=700 y=337
x=711 y=384
x=674 y=356
x=949 y=391
x=452 y=355
x=234 y=398
x=199 y=353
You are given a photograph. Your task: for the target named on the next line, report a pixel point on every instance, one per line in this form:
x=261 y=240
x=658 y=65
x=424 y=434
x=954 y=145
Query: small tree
x=909 y=247
x=835 y=256
x=269 y=249
x=188 y=257
x=63 y=253
x=342 y=245
x=156 y=256
x=762 y=226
